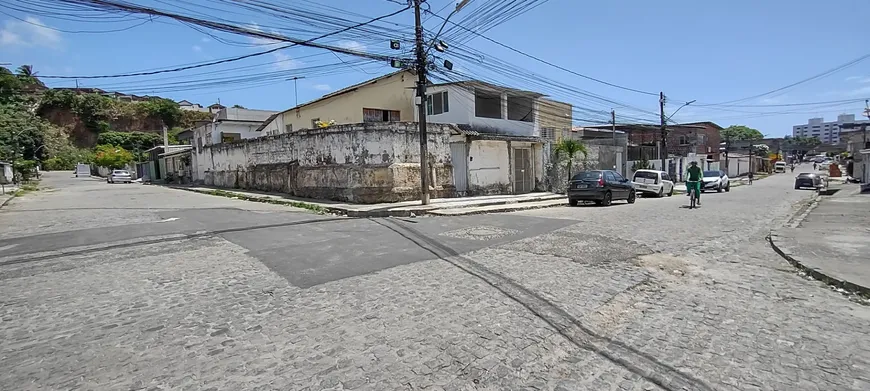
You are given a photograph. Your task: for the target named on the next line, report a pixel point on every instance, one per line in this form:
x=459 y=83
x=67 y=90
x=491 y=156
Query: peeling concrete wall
x=362 y=163
x=488 y=168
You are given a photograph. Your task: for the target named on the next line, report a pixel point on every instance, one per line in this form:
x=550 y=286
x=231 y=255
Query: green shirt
x=694 y=174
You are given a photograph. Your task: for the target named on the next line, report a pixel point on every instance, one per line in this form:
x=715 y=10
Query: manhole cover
x=480 y=233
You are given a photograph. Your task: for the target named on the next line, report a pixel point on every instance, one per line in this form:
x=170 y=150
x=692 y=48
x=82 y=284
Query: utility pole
x=664 y=144
x=421 y=92
x=295 y=90
x=867 y=114
x=613 y=125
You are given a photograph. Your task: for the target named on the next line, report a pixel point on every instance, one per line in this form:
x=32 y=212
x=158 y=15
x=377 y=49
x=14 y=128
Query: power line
x=550 y=63
x=811 y=78
x=304 y=43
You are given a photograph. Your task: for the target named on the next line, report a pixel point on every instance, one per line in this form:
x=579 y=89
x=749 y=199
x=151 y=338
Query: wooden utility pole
x=613 y=124
x=664 y=144
x=421 y=109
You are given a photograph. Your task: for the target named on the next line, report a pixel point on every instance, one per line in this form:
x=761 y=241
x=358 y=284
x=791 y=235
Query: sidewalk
x=437 y=206
x=832 y=243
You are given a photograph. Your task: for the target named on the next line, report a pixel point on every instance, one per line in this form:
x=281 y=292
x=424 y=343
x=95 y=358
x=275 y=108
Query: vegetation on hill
x=60 y=128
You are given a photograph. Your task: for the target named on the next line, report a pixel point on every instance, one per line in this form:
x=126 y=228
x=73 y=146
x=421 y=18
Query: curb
x=298 y=204
x=3 y=205
x=370 y=213
x=817 y=274
x=434 y=212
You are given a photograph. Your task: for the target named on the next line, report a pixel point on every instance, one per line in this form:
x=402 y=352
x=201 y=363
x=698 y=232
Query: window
x=617 y=176
x=314 y=122
x=521 y=108
x=487 y=104
x=683 y=140
x=437 y=103
x=548 y=133
x=288 y=128
x=609 y=177
x=378 y=115
x=665 y=176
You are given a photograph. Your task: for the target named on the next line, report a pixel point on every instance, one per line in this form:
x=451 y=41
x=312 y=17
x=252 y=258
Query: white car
x=653 y=182
x=715 y=180
x=122 y=176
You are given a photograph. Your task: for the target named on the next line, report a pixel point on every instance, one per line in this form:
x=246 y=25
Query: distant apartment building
x=826 y=132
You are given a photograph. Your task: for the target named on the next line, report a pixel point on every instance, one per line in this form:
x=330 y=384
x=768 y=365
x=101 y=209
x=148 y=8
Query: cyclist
x=693 y=180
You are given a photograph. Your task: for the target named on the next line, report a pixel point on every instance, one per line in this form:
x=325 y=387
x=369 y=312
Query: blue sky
x=707 y=51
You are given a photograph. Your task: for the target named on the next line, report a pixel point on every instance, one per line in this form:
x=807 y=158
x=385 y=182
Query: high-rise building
x=826 y=132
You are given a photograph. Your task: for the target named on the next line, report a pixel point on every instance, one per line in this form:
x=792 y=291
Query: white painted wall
x=461 y=111
x=488 y=163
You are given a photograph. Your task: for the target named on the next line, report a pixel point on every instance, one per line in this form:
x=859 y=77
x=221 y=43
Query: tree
x=568 y=149
x=131 y=141
x=239 y=107
x=166 y=109
x=112 y=156
x=740 y=133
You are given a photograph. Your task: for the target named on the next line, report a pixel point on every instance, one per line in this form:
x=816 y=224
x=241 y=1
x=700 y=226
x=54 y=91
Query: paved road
x=142 y=287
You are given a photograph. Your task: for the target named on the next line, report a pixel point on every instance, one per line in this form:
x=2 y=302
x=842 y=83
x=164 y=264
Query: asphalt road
x=143 y=287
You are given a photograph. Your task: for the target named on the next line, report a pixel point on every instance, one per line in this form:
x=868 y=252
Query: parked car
x=809 y=180
x=653 y=182
x=716 y=180
x=601 y=186
x=122 y=176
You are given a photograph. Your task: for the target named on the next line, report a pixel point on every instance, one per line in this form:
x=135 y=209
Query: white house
x=489 y=108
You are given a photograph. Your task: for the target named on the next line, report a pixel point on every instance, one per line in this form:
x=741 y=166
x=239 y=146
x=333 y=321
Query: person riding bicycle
x=693 y=180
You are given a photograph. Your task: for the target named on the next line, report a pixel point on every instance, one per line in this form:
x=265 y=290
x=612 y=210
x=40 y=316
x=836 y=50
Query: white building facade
x=826 y=132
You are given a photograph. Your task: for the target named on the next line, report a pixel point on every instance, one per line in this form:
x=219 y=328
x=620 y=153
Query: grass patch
x=25 y=188
x=267 y=200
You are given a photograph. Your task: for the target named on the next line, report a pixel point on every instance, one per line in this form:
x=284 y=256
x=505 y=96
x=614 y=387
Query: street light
x=664 y=144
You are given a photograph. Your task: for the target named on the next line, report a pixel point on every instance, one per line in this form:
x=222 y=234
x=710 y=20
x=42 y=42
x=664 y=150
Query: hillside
x=84 y=116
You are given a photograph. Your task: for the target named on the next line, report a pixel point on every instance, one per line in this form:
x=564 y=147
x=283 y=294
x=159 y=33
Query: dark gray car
x=601 y=186
x=808 y=180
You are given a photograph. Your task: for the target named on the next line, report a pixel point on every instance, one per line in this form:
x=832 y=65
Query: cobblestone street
x=131 y=287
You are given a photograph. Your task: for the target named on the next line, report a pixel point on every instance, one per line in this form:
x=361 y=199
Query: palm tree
x=26 y=71
x=569 y=149
x=27 y=76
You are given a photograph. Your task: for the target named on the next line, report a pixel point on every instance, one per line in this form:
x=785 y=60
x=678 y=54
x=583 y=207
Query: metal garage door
x=522 y=170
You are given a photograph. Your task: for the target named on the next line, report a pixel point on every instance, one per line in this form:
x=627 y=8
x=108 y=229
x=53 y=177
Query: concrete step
x=513 y=207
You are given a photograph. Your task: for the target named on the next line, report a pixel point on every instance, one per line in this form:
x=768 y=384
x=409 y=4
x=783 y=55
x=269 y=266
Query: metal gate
x=459 y=159
x=522 y=170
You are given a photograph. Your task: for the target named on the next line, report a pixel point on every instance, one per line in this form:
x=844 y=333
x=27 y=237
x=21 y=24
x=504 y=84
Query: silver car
x=119 y=176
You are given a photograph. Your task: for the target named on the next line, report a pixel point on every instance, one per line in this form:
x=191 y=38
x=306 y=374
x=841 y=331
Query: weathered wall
x=363 y=163
x=488 y=168
x=599 y=157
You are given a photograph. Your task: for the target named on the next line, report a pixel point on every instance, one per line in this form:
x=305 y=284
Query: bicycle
x=694 y=197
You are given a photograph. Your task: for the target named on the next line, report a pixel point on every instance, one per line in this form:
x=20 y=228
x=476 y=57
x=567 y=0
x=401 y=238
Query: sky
x=702 y=51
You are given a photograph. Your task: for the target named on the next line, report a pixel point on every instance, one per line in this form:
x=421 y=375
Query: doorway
x=522 y=170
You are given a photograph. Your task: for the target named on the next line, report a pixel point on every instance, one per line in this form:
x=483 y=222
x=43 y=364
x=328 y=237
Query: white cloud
x=258 y=40
x=29 y=32
x=197 y=48
x=863 y=91
x=852 y=78
x=284 y=62
x=205 y=40
x=351 y=45
x=322 y=87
